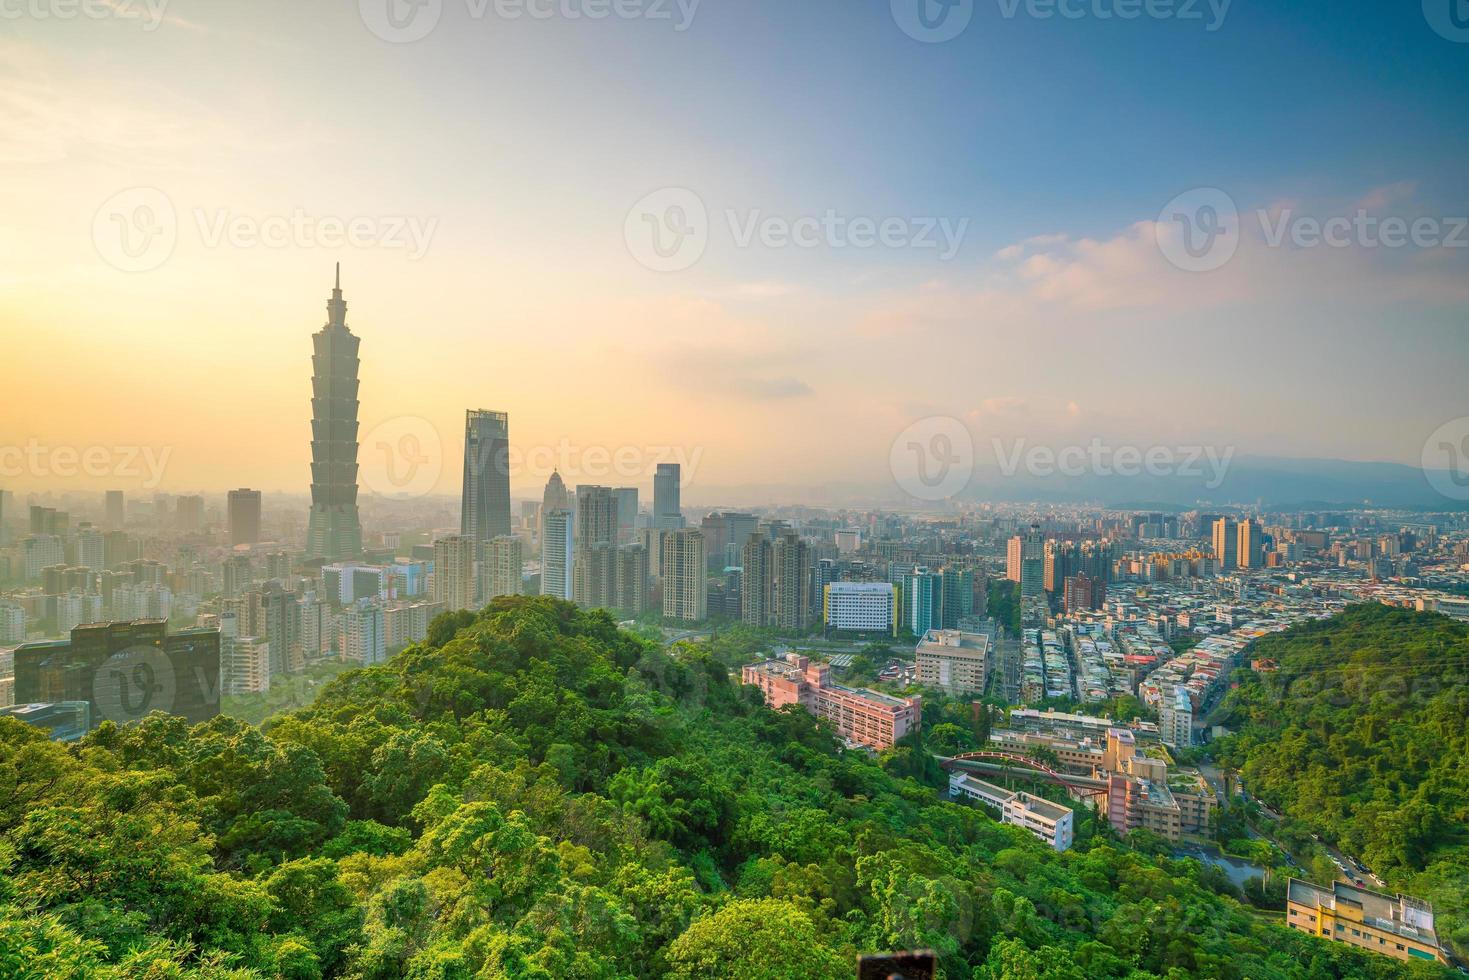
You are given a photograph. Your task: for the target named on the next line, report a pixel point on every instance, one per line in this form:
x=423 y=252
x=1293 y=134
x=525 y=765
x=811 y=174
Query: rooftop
x=1400 y=915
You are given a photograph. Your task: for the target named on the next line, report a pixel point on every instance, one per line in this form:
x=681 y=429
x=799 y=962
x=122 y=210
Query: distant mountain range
x=1278 y=483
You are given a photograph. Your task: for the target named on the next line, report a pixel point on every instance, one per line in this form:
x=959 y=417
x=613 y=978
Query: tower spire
x=336 y=307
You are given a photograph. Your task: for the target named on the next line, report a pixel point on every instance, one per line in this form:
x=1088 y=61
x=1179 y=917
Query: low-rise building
x=1051 y=822
x=952 y=660
x=860 y=716
x=1393 y=925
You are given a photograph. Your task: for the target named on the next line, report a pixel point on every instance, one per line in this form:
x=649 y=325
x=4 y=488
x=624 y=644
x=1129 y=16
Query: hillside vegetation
x=1362 y=738
x=532 y=793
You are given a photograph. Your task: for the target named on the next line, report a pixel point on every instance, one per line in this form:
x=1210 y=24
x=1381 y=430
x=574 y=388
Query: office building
x=244 y=516
x=952 y=661
x=1226 y=544
x=334 y=530
x=860 y=607
x=485 y=504
x=504 y=558
x=554 y=497
x=114 y=509
x=593 y=582
x=454 y=573
x=124 y=671
x=860 y=716
x=1050 y=822
x=1032 y=564
x=1250 y=550
x=632 y=580
x=925 y=604
x=1393 y=925
x=667 y=497
x=685 y=587
x=557 y=552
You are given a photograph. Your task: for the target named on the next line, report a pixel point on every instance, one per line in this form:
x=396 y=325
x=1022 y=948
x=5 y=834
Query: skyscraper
x=244 y=516
x=558 y=552
x=1251 y=549
x=334 y=530
x=667 y=506
x=627 y=513
x=594 y=564
x=790 y=595
x=1033 y=564
x=115 y=512
x=1226 y=544
x=685 y=590
x=555 y=497
x=757 y=581
x=485 y=510
x=503 y=559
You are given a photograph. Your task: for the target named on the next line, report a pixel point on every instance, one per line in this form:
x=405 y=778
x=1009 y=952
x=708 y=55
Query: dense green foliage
x=532 y=793
x=1004 y=604
x=1362 y=738
x=286 y=693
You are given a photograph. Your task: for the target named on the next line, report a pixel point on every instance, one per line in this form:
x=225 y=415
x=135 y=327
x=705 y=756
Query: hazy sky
x=493 y=172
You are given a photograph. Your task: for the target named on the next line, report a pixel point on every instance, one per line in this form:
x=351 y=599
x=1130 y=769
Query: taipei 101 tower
x=334 y=532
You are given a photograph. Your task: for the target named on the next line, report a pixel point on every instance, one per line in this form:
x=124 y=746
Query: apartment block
x=860 y=716
x=1051 y=822
x=952 y=660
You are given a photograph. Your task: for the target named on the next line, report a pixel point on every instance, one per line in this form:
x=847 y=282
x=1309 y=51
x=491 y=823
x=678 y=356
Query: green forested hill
x=533 y=794
x=1362 y=738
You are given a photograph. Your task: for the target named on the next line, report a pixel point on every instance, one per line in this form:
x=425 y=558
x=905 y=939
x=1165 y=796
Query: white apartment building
x=861 y=607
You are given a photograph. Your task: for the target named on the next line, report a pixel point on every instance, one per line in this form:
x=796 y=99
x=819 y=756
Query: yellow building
x=1393 y=925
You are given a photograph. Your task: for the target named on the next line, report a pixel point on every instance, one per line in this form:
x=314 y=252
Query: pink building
x=861 y=716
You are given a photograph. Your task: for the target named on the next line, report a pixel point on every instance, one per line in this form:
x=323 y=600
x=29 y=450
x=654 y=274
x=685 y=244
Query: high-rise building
x=188 y=513
x=790 y=592
x=454 y=572
x=244 y=666
x=1250 y=551
x=558 y=552
x=667 y=502
x=632 y=580
x=926 y=590
x=244 y=516
x=685 y=586
x=364 y=637
x=334 y=530
x=503 y=559
x=957 y=599
x=91 y=552
x=1226 y=544
x=757 y=581
x=1013 y=550
x=1033 y=564
x=555 y=497
x=627 y=513
x=860 y=607
x=485 y=506
x=114 y=508
x=594 y=565
x=952 y=660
